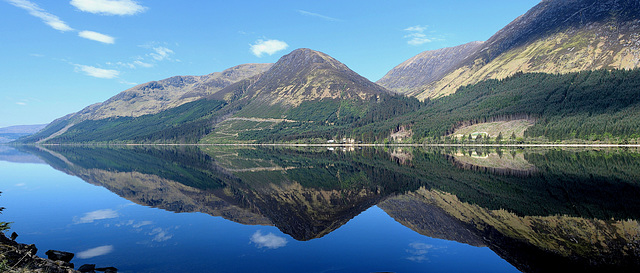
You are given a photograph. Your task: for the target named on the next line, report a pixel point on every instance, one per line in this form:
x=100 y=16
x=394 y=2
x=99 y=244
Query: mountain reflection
x=541 y=210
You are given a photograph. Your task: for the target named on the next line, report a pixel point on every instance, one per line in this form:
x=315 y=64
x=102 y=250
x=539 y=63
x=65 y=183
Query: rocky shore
x=17 y=257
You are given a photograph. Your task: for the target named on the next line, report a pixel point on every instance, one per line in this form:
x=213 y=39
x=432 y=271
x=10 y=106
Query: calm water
x=212 y=209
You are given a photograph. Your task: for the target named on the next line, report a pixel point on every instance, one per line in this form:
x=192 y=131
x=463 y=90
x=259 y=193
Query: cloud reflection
x=92 y=216
x=160 y=235
x=95 y=252
x=270 y=240
x=419 y=252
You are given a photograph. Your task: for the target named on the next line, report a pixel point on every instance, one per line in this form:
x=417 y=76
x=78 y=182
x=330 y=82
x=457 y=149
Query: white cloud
x=417 y=28
x=306 y=13
x=417 y=39
x=143 y=64
x=48 y=18
x=269 y=241
x=95 y=252
x=21 y=103
x=161 y=53
x=92 y=216
x=109 y=7
x=56 y=23
x=269 y=47
x=91 y=35
x=416 y=36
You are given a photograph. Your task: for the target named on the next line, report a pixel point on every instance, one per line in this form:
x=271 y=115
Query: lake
x=319 y=209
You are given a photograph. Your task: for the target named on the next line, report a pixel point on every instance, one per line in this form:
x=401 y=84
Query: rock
x=58 y=255
x=110 y=269
x=14 y=236
x=32 y=249
x=87 y=268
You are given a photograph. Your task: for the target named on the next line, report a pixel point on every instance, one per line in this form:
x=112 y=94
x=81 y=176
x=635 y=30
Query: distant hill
x=556 y=36
x=152 y=97
x=11 y=133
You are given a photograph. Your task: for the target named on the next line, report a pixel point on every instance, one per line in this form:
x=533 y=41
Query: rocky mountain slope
x=302 y=75
x=426 y=67
x=556 y=36
x=156 y=96
x=151 y=98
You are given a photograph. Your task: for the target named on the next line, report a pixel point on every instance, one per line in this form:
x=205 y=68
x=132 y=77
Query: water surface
x=224 y=209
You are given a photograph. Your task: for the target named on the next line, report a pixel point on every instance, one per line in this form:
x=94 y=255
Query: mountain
x=304 y=88
x=151 y=98
x=301 y=76
x=556 y=36
x=426 y=67
x=156 y=96
x=11 y=133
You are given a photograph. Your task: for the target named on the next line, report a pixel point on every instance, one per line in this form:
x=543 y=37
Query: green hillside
x=589 y=105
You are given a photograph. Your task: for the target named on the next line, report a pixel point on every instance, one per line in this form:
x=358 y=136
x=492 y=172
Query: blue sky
x=60 y=56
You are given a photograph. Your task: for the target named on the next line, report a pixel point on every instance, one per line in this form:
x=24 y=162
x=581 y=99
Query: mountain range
x=553 y=37
x=580 y=47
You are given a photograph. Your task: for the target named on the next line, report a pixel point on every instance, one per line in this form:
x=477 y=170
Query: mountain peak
x=304 y=58
x=555 y=36
x=307 y=75
x=554 y=16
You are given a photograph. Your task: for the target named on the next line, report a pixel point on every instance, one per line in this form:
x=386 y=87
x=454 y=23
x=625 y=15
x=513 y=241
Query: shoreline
x=337 y=145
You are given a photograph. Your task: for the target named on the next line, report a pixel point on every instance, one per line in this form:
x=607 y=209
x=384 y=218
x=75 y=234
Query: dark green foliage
x=185 y=164
x=334 y=118
x=590 y=184
x=183 y=124
x=590 y=105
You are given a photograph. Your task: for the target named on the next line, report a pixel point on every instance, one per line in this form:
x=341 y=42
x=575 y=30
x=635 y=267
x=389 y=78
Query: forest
x=600 y=105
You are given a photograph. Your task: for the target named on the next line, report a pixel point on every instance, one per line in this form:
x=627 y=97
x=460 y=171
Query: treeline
x=327 y=119
x=590 y=105
x=183 y=124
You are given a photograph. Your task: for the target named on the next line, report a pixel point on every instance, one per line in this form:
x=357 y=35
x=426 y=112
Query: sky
x=58 y=57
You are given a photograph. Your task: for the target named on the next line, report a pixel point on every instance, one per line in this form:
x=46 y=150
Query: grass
x=493 y=129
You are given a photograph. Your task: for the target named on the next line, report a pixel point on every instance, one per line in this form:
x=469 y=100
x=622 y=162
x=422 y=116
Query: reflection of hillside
x=562 y=214
x=249 y=190
x=511 y=164
x=307 y=213
x=154 y=191
x=304 y=194
x=9 y=154
x=531 y=243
